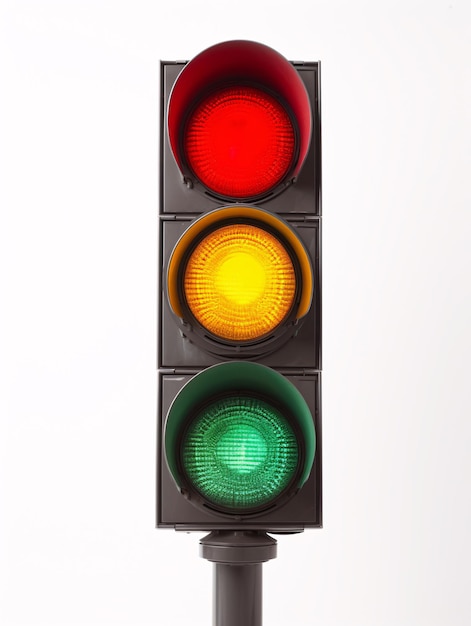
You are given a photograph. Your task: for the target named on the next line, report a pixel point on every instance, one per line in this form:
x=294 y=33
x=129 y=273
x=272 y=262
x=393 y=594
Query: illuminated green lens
x=240 y=452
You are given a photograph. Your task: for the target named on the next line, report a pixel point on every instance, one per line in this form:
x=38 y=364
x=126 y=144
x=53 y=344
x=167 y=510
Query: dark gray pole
x=237 y=595
x=237 y=590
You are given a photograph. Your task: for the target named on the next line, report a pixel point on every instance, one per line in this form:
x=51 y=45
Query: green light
x=240 y=452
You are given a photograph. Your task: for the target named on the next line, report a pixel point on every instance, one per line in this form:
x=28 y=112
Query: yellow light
x=239 y=282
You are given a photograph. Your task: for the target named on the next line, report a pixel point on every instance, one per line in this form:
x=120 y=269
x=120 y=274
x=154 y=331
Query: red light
x=239 y=142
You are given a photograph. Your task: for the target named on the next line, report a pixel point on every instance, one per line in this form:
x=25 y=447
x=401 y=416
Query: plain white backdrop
x=79 y=105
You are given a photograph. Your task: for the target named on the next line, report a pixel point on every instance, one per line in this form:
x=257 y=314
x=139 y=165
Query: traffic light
x=239 y=337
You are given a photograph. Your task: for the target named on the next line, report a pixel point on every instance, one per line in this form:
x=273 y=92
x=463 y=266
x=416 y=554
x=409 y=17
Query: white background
x=78 y=253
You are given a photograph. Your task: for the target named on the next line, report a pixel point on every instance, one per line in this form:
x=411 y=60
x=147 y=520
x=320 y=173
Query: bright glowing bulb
x=239 y=282
x=240 y=452
x=240 y=142
x=241 y=449
x=241 y=279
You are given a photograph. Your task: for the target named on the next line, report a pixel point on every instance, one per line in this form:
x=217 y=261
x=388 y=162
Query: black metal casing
x=299 y=359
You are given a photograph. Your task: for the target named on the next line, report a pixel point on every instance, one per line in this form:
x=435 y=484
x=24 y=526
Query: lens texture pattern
x=239 y=282
x=239 y=142
x=240 y=453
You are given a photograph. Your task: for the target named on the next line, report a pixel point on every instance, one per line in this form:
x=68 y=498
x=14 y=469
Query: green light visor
x=239 y=451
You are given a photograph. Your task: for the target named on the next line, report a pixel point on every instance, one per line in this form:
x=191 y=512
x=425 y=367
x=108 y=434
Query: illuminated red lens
x=239 y=142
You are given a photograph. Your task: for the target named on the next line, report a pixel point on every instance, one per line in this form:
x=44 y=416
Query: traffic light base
x=237 y=579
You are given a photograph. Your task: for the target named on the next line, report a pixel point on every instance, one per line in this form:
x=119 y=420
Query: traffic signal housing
x=239 y=353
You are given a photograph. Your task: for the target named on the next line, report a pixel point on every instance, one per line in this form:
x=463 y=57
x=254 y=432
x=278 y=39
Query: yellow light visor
x=239 y=282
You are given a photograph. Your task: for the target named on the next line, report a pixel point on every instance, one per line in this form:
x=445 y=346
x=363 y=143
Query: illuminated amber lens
x=239 y=282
